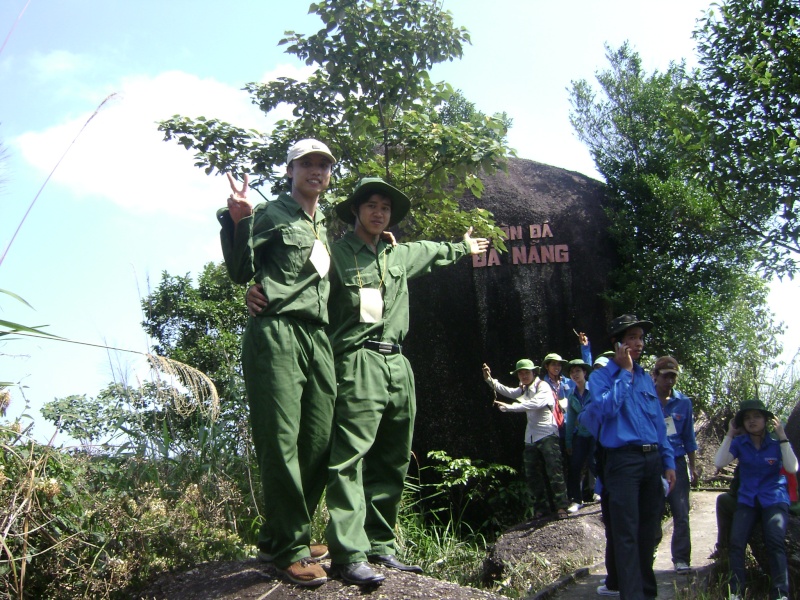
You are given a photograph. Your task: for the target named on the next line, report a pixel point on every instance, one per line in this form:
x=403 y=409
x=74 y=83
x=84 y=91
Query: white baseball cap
x=308 y=146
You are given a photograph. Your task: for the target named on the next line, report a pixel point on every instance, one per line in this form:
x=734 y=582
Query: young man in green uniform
x=376 y=402
x=286 y=354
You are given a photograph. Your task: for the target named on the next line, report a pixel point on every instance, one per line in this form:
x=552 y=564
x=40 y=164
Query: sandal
x=562 y=514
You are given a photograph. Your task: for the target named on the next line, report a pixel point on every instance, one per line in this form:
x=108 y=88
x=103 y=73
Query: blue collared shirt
x=759 y=471
x=628 y=410
x=679 y=409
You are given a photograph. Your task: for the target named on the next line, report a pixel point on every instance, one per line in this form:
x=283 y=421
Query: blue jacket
x=679 y=409
x=759 y=471
x=628 y=410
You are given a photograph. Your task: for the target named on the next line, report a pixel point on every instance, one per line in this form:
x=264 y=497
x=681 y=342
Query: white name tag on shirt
x=670 y=426
x=320 y=258
x=371 y=305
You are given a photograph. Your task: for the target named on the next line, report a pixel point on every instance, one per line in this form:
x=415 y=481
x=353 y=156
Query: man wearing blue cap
x=636 y=452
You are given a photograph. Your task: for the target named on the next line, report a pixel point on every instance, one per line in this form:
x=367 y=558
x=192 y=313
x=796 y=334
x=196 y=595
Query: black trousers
x=636 y=503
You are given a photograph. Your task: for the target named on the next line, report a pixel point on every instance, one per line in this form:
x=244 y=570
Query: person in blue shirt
x=636 y=453
x=762 y=492
x=580 y=443
x=679 y=421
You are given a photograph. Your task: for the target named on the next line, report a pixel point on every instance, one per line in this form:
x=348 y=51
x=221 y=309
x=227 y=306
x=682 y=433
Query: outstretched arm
x=476 y=245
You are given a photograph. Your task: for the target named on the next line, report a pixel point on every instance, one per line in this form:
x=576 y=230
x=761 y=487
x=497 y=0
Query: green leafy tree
x=372 y=99
x=681 y=263
x=740 y=122
x=199 y=325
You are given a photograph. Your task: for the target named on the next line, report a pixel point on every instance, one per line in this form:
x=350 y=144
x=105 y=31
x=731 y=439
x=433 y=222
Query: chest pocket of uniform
x=394 y=283
x=297 y=253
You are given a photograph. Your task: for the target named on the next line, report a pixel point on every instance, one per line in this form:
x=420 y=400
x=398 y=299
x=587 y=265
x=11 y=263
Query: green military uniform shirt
x=273 y=245
x=356 y=265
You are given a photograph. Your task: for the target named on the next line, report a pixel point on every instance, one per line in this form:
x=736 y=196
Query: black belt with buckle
x=643 y=448
x=383 y=347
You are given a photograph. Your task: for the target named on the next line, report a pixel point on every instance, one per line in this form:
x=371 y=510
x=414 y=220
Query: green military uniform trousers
x=373 y=428
x=289 y=374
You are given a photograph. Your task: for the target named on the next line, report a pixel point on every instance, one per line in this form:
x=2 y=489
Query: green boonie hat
x=374 y=185
x=553 y=357
x=738 y=420
x=624 y=322
x=578 y=362
x=524 y=363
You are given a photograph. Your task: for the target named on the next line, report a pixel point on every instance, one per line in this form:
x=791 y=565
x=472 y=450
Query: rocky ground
x=572 y=547
x=251 y=580
x=552 y=547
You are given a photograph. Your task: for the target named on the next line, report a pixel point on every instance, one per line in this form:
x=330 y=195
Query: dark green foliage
x=200 y=325
x=739 y=123
x=471 y=495
x=682 y=265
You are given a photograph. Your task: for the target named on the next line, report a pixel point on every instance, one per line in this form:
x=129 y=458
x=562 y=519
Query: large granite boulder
x=522 y=304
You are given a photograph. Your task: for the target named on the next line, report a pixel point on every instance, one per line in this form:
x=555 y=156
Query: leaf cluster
x=682 y=264
x=200 y=325
x=738 y=122
x=371 y=99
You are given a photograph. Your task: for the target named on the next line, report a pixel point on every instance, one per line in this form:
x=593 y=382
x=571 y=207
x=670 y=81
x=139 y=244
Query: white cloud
x=121 y=156
x=782 y=300
x=58 y=64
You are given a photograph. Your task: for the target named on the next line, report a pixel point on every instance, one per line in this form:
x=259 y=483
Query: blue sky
x=124 y=206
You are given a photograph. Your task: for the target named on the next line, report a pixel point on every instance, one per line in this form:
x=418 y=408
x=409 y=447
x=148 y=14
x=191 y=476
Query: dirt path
x=703 y=523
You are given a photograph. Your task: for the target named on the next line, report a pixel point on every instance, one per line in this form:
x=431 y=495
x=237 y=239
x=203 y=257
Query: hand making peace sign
x=238 y=204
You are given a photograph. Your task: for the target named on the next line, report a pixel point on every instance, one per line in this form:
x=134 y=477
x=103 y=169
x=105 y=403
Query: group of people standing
x=331 y=396
x=635 y=431
x=332 y=400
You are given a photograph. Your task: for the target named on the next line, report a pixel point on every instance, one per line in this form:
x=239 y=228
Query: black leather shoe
x=390 y=561
x=358 y=573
